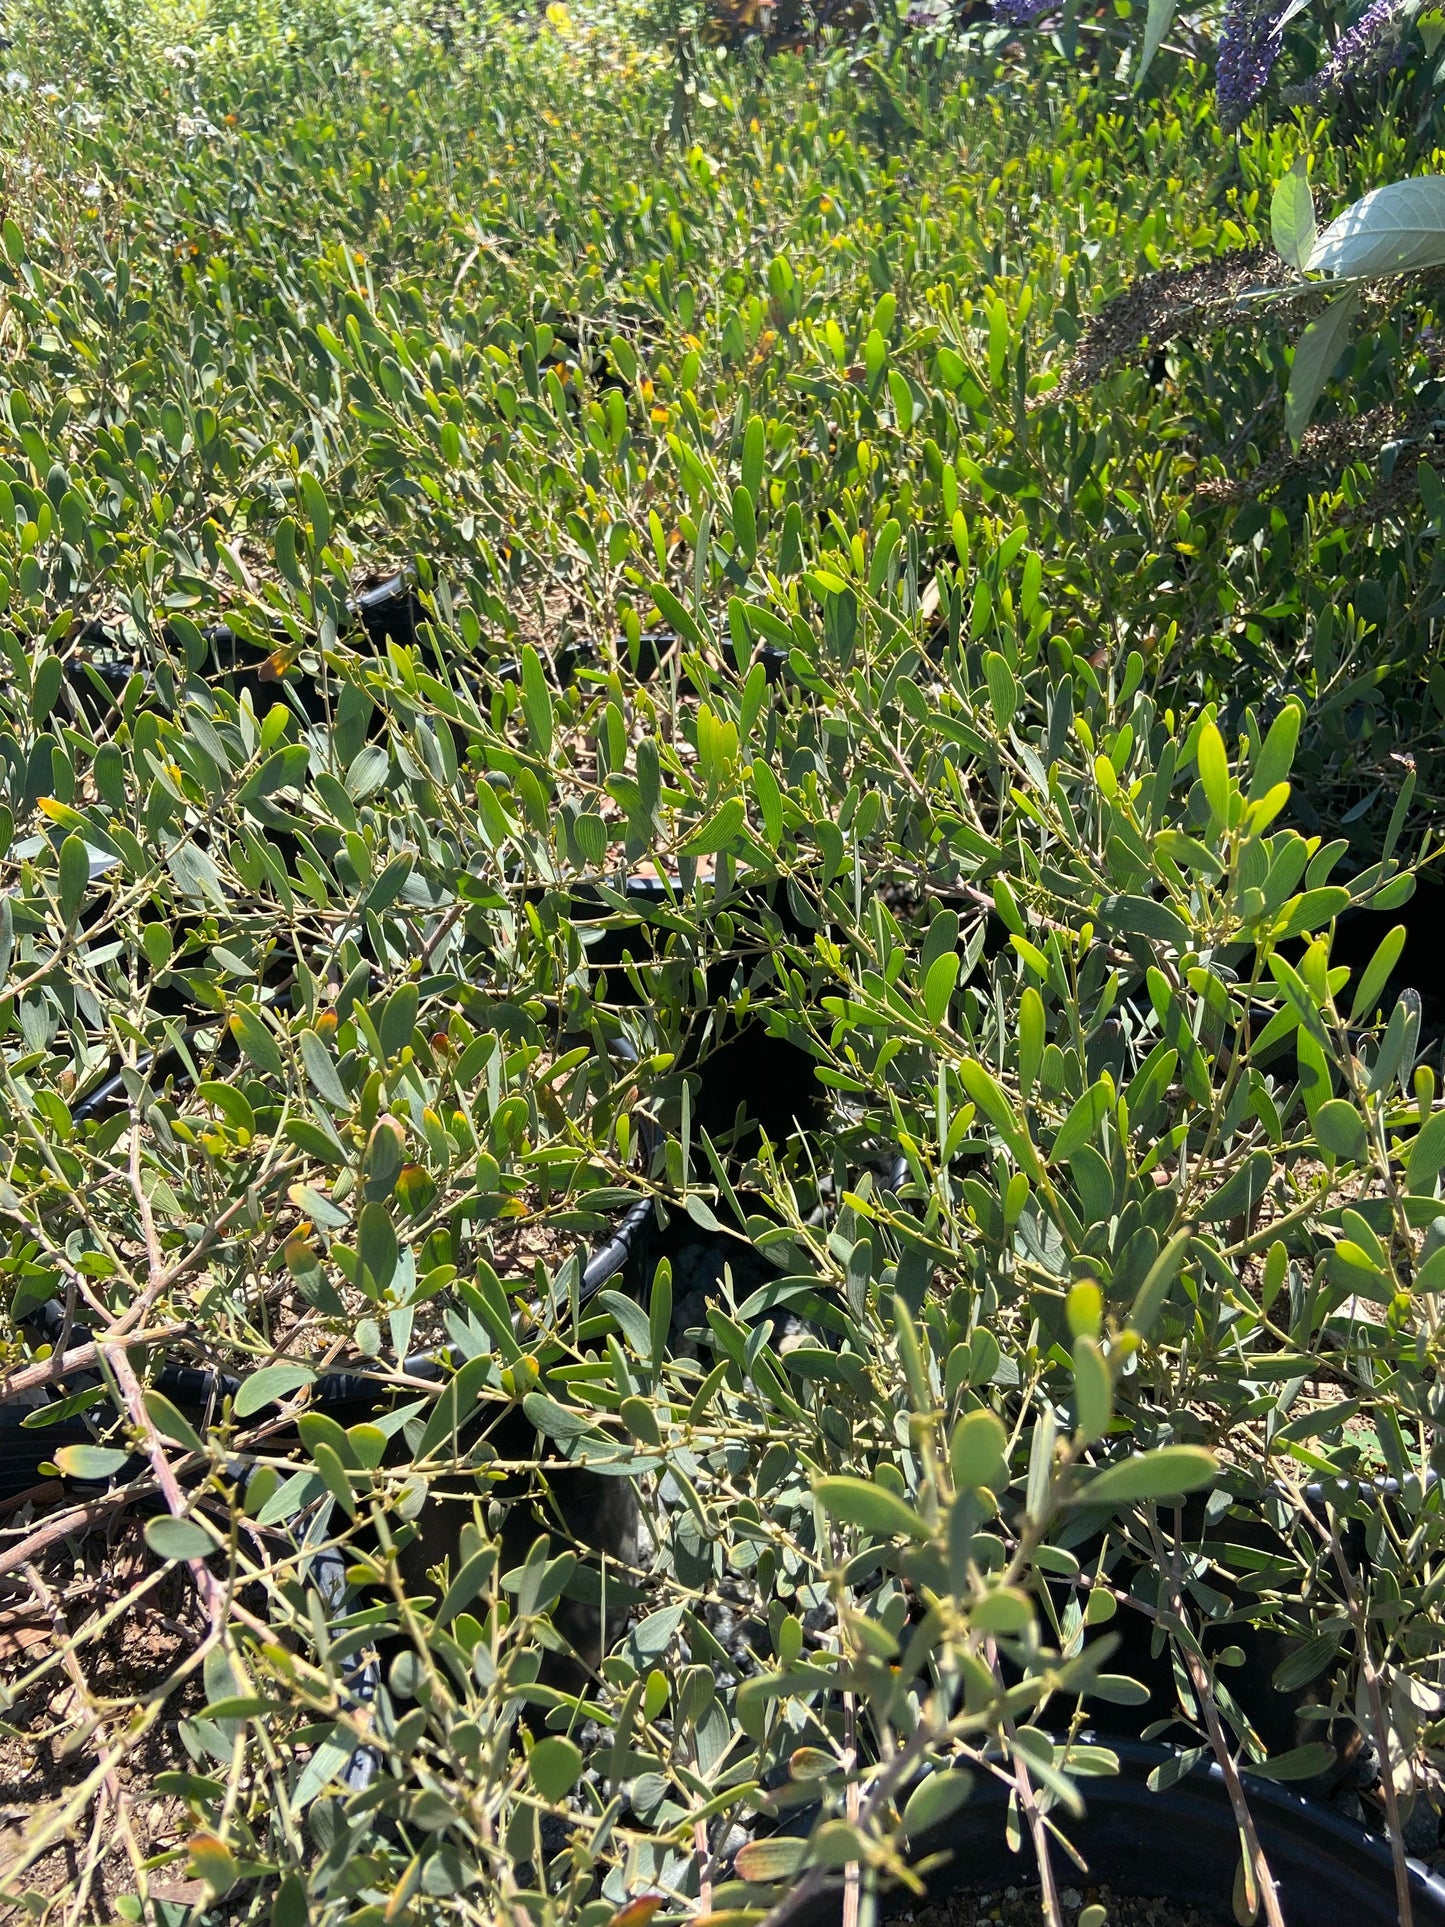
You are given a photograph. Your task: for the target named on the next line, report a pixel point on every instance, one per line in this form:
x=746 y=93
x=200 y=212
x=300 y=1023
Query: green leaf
x=986 y=1091
x=1341 y=1130
x=287 y=766
x=1316 y=352
x=321 y=1068
x=1083 y=1120
x=1004 y=1610
x=934 y=1799
x=555 y=1766
x=938 y=986
x=555 y=1421
x=290 y=1907
x=716 y=832
x=328 y=1463
x=1093 y=1390
x=1167 y=1473
x=1300 y=1763
x=762 y=1862
x=251 y=1032
x=1376 y=973
x=90 y=1461
x=1149 y=1299
x=1302 y=999
x=978 y=1452
x=1427 y=1155
x=536 y=701
x=1308 y=1660
x=268 y=1386
x=1214 y=774
x=1276 y=758
x=170 y=1538
x=1003 y=690
x=467 y=1584
x=318 y=514
x=1308 y=912
x=745 y=527
x=1395 y=229
x=1292 y=216
x=640 y=1419
x=872 y=1507
x=676 y=616
x=755 y=451
x=74 y=875
x=377 y=1248
x=1157 y=22
x=170 y=1423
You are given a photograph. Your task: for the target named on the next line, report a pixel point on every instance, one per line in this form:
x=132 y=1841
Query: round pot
x=1178 y=1844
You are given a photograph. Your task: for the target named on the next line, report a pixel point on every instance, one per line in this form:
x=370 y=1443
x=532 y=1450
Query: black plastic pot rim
x=1180 y=1843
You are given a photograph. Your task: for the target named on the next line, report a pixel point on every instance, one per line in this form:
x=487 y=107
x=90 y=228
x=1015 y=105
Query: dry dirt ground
x=71 y=1685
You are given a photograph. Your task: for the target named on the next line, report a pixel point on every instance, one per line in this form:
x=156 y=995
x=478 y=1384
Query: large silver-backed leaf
x=1392 y=230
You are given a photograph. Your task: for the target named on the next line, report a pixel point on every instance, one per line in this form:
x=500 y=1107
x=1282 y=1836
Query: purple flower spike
x=1250 y=44
x=1022 y=13
x=1361 y=52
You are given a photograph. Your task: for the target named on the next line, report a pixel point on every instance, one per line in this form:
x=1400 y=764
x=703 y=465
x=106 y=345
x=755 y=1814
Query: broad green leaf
x=716 y=832
x=1292 y=216
x=938 y=986
x=1167 y=1473
x=251 y=1032
x=376 y=1245
x=321 y=1069
x=90 y=1461
x=1083 y=1120
x=755 y=450
x=1376 y=973
x=1340 y=1129
x=555 y=1421
x=555 y=1766
x=1157 y=22
x=1316 y=352
x=536 y=701
x=271 y=1384
x=934 y=1798
x=987 y=1093
x=745 y=528
x=872 y=1507
x=1300 y=1763
x=170 y=1423
x=1214 y=774
x=1003 y=690
x=1093 y=1390
x=1003 y=1609
x=74 y=875
x=1395 y=229
x=172 y=1538
x=978 y=1452
x=1276 y=756
x=1426 y=1155
x=763 y=1861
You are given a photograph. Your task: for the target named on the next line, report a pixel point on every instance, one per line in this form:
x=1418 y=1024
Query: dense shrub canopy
x=866 y=652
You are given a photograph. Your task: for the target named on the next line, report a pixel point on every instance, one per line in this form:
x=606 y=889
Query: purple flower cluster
x=1022 y=13
x=1361 y=52
x=1248 y=48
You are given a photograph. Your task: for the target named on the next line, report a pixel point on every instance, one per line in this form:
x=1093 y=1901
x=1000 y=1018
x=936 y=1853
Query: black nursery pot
x=1180 y=1844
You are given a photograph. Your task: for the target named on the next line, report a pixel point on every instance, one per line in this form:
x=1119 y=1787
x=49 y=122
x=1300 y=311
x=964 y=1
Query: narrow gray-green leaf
x=1316 y=353
x=1292 y=216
